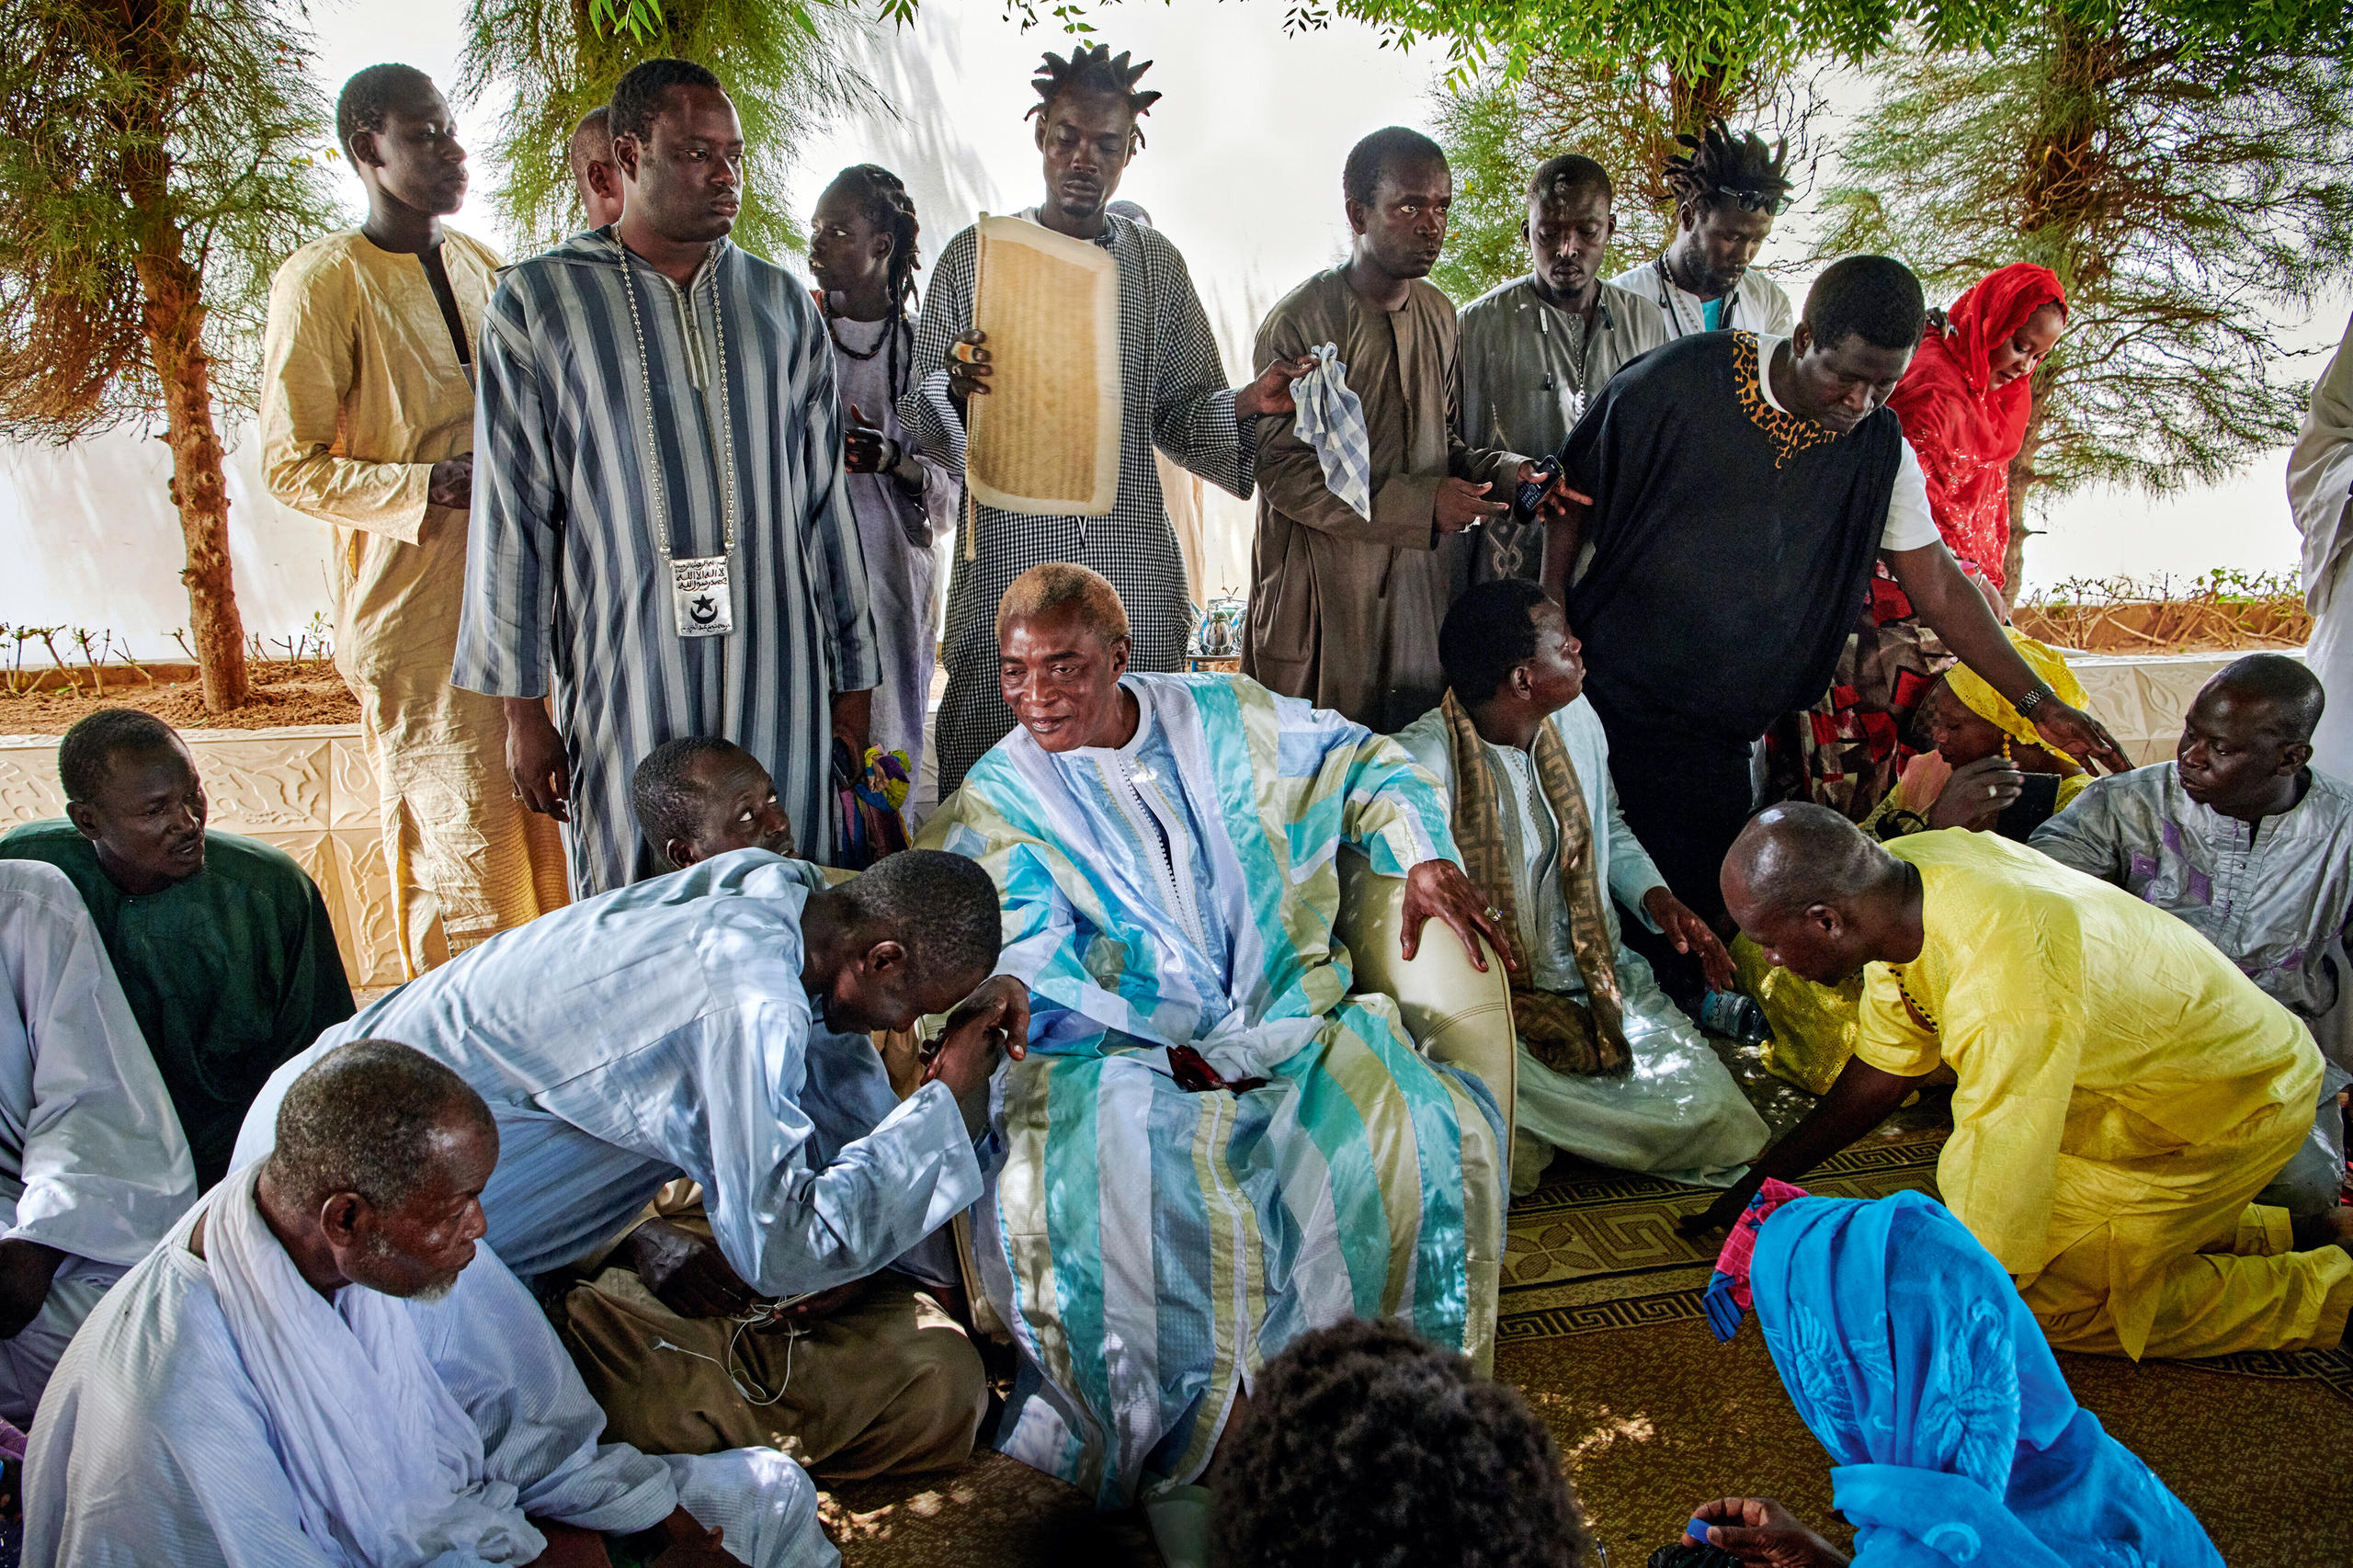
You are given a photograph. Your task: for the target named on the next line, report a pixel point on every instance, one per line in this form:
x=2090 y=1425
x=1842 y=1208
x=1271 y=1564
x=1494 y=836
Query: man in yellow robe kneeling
x=2124 y=1092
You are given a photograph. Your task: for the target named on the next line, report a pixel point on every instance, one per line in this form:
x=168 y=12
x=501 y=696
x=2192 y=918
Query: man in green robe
x=222 y=943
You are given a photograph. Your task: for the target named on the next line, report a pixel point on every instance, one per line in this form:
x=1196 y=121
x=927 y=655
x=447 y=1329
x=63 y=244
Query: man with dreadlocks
x=367 y=424
x=662 y=538
x=1727 y=190
x=863 y=253
x=1173 y=396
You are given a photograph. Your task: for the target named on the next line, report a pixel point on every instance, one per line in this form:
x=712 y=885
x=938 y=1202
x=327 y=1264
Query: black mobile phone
x=1531 y=493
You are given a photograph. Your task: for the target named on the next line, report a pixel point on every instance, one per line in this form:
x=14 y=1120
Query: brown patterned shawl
x=1586 y=1037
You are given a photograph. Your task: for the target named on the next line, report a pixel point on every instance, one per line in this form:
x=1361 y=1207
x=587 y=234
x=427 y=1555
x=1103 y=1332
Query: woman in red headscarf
x=1964 y=405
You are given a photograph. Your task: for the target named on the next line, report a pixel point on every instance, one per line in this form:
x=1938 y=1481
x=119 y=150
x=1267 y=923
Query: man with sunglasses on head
x=1727 y=190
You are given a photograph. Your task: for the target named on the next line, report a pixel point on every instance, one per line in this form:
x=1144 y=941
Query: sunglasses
x=1754 y=201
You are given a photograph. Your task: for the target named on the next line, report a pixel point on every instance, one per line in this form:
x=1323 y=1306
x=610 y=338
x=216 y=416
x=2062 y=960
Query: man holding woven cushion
x=1609 y=1069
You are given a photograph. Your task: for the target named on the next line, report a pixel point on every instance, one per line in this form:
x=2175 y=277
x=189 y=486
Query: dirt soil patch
x=285 y=693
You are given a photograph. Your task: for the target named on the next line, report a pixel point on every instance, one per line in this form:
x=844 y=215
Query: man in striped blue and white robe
x=617 y=401
x=1151 y=1248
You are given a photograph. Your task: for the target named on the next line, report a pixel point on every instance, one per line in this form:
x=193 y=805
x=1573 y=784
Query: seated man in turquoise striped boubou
x=1210 y=1147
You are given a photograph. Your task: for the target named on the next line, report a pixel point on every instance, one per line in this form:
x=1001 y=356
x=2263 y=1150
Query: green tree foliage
x=155 y=165
x=783 y=61
x=2187 y=199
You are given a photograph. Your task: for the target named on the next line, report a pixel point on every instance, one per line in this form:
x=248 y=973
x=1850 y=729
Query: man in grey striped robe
x=651 y=394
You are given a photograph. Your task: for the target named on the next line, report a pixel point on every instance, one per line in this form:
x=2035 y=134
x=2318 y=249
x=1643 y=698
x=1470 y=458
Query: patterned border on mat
x=1914 y=1151
x=2331 y=1368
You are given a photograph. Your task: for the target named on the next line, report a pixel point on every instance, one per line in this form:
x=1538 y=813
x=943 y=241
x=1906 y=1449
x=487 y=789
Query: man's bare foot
x=2331 y=1227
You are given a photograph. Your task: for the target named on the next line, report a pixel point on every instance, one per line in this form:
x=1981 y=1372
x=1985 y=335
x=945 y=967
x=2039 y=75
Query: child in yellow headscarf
x=1990 y=773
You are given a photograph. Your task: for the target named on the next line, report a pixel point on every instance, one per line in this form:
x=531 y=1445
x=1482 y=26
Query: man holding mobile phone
x=1346 y=592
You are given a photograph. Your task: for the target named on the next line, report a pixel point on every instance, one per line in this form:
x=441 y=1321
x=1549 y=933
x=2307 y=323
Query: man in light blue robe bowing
x=1211 y=1146
x=664 y=1030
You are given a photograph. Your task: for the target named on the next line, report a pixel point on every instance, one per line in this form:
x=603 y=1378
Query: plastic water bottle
x=1730 y=1013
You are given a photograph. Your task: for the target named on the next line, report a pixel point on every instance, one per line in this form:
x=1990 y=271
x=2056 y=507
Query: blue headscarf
x=1907 y=1349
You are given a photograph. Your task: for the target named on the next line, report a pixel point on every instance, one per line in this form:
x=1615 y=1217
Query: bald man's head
x=1800 y=880
x=593 y=173
x=2286 y=690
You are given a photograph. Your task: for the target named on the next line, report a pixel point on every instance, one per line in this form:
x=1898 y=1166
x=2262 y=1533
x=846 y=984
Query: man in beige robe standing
x=366 y=415
x=1345 y=602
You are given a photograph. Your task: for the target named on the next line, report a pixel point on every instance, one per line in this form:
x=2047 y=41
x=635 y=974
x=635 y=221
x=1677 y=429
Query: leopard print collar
x=1788 y=434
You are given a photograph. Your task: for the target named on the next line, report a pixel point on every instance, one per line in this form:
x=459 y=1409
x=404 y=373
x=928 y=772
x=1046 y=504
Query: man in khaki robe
x=1345 y=603
x=368 y=423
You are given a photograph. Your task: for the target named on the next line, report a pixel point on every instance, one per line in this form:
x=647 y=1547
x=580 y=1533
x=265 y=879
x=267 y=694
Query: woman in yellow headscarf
x=1990 y=773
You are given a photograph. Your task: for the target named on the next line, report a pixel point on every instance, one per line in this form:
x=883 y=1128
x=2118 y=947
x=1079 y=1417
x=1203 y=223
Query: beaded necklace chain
x=652 y=440
x=1670 y=299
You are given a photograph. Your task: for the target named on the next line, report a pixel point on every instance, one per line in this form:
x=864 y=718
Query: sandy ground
x=284 y=694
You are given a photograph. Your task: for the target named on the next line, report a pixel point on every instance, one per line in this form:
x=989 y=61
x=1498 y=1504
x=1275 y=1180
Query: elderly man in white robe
x=1609 y=1069
x=319 y=1367
x=93 y=1166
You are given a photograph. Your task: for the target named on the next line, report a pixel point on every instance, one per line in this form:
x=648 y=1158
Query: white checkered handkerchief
x=1331 y=420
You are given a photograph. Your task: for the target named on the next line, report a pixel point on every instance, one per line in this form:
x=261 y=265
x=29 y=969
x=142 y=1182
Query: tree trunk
x=172 y=293
x=198 y=488
x=2022 y=479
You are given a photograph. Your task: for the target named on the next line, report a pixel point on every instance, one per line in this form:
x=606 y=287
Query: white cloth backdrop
x=92 y=539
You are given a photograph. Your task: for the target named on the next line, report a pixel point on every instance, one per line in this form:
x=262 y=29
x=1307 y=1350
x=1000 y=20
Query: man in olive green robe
x=222 y=943
x=1345 y=603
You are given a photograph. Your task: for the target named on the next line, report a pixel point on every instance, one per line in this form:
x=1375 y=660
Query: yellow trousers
x=2240 y=1287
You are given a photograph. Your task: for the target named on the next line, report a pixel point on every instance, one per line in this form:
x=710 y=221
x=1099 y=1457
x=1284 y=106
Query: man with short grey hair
x=320 y=1366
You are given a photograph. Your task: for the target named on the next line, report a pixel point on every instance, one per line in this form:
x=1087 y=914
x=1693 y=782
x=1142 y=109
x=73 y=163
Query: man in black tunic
x=1741 y=486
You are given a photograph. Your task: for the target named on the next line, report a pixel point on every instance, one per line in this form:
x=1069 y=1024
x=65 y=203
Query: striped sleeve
x=839 y=581
x=1390 y=808
x=925 y=411
x=513 y=545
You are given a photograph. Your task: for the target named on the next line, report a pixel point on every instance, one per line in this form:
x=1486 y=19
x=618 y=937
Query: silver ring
x=1494 y=914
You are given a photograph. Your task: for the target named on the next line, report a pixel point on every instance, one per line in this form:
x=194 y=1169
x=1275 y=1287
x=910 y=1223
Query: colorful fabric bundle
x=870 y=799
x=1728 y=1299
